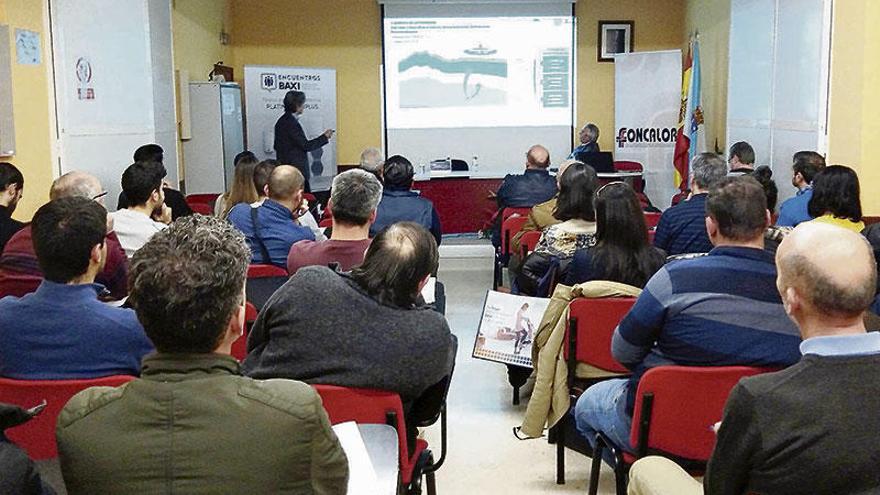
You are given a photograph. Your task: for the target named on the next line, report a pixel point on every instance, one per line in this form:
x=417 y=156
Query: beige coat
x=550 y=400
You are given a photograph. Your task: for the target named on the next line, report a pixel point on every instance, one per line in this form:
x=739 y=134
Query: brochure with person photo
x=508 y=327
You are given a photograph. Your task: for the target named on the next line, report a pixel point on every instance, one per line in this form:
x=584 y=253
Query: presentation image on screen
x=445 y=72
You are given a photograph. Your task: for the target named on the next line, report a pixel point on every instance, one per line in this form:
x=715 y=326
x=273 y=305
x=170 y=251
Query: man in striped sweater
x=722 y=309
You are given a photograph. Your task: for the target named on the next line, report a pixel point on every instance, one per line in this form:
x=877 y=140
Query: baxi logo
x=268 y=81
x=646 y=137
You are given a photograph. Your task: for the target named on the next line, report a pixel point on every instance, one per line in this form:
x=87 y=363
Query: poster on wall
x=647 y=90
x=264 y=90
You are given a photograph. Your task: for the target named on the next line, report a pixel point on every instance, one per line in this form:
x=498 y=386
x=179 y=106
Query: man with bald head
x=20 y=273
x=533 y=186
x=373 y=162
x=810 y=427
x=274 y=226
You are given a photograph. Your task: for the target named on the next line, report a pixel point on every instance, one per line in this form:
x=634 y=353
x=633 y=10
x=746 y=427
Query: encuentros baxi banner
x=264 y=90
x=647 y=90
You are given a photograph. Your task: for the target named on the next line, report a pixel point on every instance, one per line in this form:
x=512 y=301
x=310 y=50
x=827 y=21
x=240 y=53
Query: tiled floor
x=484 y=456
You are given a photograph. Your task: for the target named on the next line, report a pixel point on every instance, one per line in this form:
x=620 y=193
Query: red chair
x=591 y=324
x=369 y=406
x=201 y=208
x=638 y=183
x=529 y=241
x=263 y=271
x=325 y=223
x=310 y=198
x=512 y=220
x=37 y=436
x=651 y=219
x=509 y=228
x=207 y=199
x=675 y=409
x=239 y=347
x=651 y=234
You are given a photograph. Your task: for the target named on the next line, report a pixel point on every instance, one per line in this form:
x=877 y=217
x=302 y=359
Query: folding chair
x=239 y=347
x=368 y=406
x=591 y=324
x=262 y=282
x=510 y=225
x=207 y=199
x=37 y=436
x=675 y=408
x=651 y=219
x=529 y=241
x=201 y=208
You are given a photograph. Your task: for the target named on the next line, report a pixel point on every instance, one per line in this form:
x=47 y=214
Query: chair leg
x=596 y=466
x=432 y=483
x=517 y=377
x=620 y=478
x=560 y=451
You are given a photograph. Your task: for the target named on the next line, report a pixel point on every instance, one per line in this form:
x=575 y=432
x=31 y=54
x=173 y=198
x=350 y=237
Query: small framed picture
x=614 y=37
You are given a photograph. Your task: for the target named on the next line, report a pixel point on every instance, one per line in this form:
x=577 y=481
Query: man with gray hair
x=589 y=138
x=372 y=162
x=354 y=197
x=682 y=228
x=20 y=273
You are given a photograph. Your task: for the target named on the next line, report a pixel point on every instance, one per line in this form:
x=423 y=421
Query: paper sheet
x=429 y=289
x=362 y=479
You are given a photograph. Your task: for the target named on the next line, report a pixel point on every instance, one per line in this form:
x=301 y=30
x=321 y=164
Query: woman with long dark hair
x=576 y=230
x=836 y=198
x=622 y=252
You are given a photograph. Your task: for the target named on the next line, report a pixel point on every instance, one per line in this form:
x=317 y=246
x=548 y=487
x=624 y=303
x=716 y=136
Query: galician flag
x=690 y=139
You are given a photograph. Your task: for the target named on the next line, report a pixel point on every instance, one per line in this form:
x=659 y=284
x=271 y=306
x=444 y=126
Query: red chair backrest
x=239 y=347
x=365 y=406
x=261 y=271
x=687 y=402
x=651 y=234
x=627 y=166
x=325 y=223
x=522 y=211
x=310 y=198
x=509 y=228
x=201 y=208
x=37 y=436
x=529 y=241
x=651 y=219
x=201 y=198
x=594 y=323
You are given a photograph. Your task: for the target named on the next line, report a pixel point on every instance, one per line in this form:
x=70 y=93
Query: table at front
x=463 y=200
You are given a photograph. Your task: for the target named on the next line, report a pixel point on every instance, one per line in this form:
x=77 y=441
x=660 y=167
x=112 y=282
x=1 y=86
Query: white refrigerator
x=217 y=133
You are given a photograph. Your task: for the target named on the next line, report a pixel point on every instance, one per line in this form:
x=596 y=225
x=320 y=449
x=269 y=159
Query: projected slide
x=477 y=72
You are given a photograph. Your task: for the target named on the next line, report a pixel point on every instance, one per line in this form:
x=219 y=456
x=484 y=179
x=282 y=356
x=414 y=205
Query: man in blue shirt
x=722 y=309
x=589 y=137
x=682 y=228
x=272 y=228
x=62 y=331
x=794 y=210
x=533 y=186
x=400 y=203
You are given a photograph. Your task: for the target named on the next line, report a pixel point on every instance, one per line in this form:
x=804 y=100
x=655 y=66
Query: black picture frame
x=614 y=37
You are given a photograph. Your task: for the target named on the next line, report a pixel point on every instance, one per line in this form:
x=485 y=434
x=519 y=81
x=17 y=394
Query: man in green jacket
x=191 y=424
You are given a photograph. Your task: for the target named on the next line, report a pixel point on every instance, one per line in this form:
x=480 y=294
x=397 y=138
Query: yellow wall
x=196 y=28
x=659 y=25
x=854 y=104
x=31 y=108
x=711 y=18
x=355 y=50
x=343 y=34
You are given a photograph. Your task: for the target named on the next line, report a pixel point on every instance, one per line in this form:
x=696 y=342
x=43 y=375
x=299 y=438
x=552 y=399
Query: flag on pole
x=690 y=140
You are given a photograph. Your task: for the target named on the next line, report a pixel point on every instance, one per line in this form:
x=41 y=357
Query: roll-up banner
x=647 y=90
x=264 y=90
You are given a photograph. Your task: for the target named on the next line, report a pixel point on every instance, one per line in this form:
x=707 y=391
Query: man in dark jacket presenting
x=291 y=144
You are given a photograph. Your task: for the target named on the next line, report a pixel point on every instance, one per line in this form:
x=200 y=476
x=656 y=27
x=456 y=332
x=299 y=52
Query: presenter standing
x=291 y=145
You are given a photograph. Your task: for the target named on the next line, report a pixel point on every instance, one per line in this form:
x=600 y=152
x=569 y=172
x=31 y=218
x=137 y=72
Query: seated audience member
x=576 y=230
x=717 y=310
x=774 y=233
x=272 y=228
x=242 y=190
x=535 y=185
x=173 y=198
x=20 y=474
x=794 y=210
x=836 y=198
x=11 y=190
x=365 y=328
x=147 y=213
x=227 y=433
x=353 y=200
x=262 y=171
x=682 y=228
x=589 y=138
x=797 y=428
x=372 y=162
x=622 y=252
x=741 y=159
x=20 y=272
x=400 y=204
x=541 y=215
x=62 y=331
